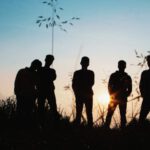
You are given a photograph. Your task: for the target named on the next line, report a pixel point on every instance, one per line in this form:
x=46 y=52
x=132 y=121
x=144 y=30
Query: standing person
x=25 y=89
x=82 y=83
x=46 y=87
x=145 y=92
x=119 y=88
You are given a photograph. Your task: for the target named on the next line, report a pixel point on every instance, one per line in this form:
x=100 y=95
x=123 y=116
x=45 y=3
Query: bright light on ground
x=104 y=98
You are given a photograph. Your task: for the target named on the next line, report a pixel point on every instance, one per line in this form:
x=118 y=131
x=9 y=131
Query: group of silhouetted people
x=35 y=84
x=120 y=87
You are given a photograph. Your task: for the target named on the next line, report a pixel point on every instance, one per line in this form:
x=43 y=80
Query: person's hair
x=49 y=57
x=36 y=62
x=85 y=59
x=121 y=62
x=148 y=57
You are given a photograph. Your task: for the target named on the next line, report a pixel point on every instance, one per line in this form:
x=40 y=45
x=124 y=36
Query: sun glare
x=104 y=98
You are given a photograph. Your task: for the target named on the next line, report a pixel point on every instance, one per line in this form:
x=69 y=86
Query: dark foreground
x=63 y=135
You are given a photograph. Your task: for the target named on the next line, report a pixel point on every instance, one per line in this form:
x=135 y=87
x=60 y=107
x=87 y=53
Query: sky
x=108 y=30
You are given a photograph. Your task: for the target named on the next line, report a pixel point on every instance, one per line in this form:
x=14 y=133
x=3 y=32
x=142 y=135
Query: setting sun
x=104 y=98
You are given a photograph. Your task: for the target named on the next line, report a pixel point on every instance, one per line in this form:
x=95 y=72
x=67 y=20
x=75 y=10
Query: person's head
x=148 y=60
x=36 y=64
x=121 y=65
x=49 y=59
x=84 y=62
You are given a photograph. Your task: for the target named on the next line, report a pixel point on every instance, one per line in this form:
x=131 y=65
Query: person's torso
x=46 y=78
x=120 y=83
x=146 y=82
x=84 y=80
x=27 y=81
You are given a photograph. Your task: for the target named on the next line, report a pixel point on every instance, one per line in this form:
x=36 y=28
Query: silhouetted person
x=145 y=92
x=119 y=88
x=46 y=87
x=25 y=89
x=82 y=83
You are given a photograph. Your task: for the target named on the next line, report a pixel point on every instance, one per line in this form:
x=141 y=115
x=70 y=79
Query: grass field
x=21 y=134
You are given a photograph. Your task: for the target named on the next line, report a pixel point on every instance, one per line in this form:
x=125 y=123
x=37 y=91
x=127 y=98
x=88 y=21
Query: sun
x=104 y=98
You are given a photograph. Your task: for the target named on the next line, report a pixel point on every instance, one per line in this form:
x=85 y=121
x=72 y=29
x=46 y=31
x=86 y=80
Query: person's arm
x=17 y=83
x=93 y=79
x=110 y=85
x=129 y=86
x=74 y=80
x=55 y=76
x=142 y=84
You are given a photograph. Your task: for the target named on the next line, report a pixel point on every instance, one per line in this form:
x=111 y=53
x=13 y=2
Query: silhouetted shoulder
x=49 y=69
x=128 y=76
x=117 y=74
x=23 y=70
x=77 y=71
x=91 y=71
x=114 y=75
x=145 y=72
x=145 y=80
x=52 y=69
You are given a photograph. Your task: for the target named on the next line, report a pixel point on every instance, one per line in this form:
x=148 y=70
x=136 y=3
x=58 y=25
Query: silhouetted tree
x=55 y=20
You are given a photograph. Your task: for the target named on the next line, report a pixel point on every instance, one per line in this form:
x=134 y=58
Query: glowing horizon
x=109 y=30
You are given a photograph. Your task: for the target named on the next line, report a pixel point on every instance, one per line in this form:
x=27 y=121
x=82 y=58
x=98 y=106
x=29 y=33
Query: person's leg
x=89 y=108
x=122 y=108
x=41 y=108
x=19 y=106
x=41 y=103
x=29 y=110
x=52 y=101
x=144 y=111
x=111 y=108
x=79 y=108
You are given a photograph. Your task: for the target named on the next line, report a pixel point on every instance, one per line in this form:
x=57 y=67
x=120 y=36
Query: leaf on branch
x=47 y=26
x=71 y=24
x=40 y=16
x=67 y=87
x=38 y=21
x=64 y=30
x=50 y=24
x=55 y=10
x=77 y=18
x=44 y=20
x=49 y=19
x=57 y=16
x=136 y=53
x=61 y=8
x=49 y=4
x=40 y=24
x=142 y=55
x=73 y=18
x=54 y=23
x=44 y=2
x=144 y=61
x=139 y=64
x=64 y=22
x=138 y=56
